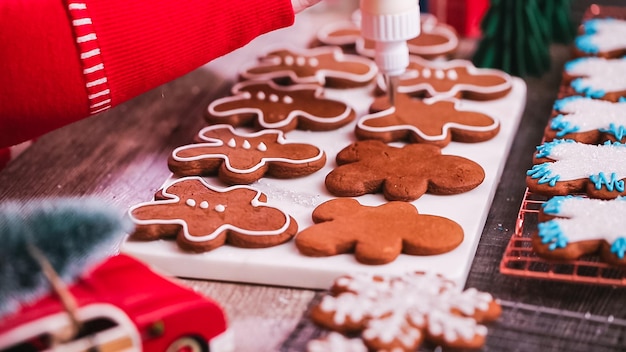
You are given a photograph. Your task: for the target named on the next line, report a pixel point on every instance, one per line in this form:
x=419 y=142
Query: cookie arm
x=65 y=60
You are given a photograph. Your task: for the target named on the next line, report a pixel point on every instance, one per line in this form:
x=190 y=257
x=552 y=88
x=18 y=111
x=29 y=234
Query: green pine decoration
x=558 y=15
x=515 y=38
x=72 y=234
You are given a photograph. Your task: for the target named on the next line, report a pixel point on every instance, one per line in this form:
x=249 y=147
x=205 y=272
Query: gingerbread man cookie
x=403 y=174
x=571 y=227
x=345 y=226
x=565 y=167
x=603 y=37
x=265 y=105
x=434 y=121
x=456 y=78
x=587 y=120
x=202 y=218
x=327 y=66
x=242 y=158
x=435 y=40
x=595 y=77
x=398 y=313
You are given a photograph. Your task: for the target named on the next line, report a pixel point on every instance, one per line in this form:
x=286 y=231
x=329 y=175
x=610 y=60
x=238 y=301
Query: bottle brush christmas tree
x=515 y=38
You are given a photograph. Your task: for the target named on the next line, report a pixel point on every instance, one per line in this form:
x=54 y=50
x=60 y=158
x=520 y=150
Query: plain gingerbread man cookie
x=202 y=218
x=403 y=174
x=376 y=235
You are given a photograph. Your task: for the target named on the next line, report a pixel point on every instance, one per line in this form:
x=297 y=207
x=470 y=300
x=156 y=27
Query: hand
x=300 y=5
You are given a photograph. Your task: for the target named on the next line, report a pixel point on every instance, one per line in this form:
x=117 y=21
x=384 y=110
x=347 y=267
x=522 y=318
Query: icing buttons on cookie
x=173 y=213
x=266 y=105
x=455 y=78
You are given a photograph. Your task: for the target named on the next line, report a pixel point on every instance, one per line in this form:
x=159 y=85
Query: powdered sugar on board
x=285 y=266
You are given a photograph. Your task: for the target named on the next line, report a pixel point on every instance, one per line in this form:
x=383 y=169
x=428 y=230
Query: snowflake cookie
x=242 y=158
x=596 y=77
x=398 y=313
x=455 y=78
x=327 y=66
x=266 y=105
x=202 y=217
x=587 y=120
x=436 y=121
x=573 y=226
x=603 y=37
x=435 y=40
x=403 y=174
x=346 y=226
x=564 y=166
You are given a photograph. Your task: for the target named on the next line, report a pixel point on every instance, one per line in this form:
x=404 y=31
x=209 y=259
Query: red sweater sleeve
x=65 y=60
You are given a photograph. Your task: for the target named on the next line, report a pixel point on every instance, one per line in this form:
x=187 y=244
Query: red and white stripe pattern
x=96 y=83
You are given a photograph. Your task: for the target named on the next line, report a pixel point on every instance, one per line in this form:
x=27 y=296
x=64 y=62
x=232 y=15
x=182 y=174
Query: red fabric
x=143 y=44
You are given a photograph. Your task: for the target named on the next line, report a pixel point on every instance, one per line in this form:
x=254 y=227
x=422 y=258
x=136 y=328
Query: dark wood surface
x=120 y=156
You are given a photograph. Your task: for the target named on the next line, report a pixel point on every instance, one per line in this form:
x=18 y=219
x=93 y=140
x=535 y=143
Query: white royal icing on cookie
x=449 y=69
x=445 y=129
x=336 y=342
x=574 y=160
x=173 y=199
x=599 y=74
x=585 y=114
x=308 y=57
x=582 y=219
x=238 y=95
x=213 y=142
x=608 y=34
x=427 y=300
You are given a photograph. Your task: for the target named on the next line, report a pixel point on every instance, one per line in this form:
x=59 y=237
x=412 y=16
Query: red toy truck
x=123 y=306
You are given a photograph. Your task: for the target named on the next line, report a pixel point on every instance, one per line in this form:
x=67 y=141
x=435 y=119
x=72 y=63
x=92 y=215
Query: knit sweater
x=64 y=60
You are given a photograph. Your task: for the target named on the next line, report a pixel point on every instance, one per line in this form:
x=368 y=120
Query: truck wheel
x=186 y=344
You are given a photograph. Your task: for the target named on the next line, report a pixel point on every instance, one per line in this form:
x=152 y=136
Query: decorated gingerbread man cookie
x=403 y=174
x=565 y=167
x=456 y=78
x=202 y=218
x=265 y=105
x=345 y=226
x=595 y=77
x=571 y=227
x=603 y=37
x=587 y=120
x=398 y=313
x=242 y=158
x=433 y=121
x=435 y=40
x=327 y=66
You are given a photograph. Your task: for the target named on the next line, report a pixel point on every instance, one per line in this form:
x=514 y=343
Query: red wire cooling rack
x=519 y=259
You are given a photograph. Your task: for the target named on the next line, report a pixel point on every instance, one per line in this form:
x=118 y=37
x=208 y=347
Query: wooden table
x=120 y=156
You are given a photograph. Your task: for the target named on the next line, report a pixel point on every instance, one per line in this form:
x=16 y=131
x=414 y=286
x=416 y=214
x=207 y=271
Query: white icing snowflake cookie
x=397 y=313
x=604 y=37
x=587 y=120
x=596 y=77
x=571 y=227
x=564 y=167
